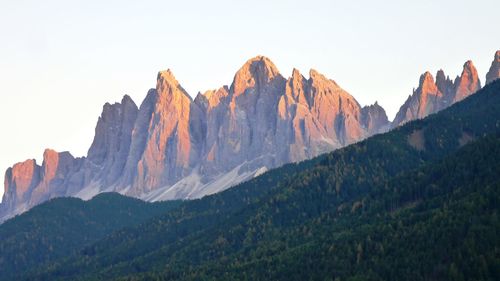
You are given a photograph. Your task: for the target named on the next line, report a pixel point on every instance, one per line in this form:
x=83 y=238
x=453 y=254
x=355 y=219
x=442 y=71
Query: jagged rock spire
x=468 y=82
x=494 y=72
x=432 y=96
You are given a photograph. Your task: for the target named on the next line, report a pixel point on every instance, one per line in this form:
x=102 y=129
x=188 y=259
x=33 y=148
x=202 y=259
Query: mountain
x=494 y=72
x=420 y=201
x=432 y=95
x=174 y=147
x=108 y=153
x=374 y=119
x=62 y=226
x=28 y=184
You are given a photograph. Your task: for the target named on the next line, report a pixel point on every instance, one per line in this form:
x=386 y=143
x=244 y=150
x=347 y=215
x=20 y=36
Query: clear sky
x=61 y=60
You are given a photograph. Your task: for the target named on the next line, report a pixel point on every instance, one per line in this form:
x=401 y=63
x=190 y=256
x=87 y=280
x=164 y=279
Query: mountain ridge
x=173 y=146
x=344 y=208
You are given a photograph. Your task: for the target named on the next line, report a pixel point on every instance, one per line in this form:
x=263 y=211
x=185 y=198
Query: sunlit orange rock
x=432 y=96
x=426 y=99
x=21 y=179
x=165 y=142
x=468 y=82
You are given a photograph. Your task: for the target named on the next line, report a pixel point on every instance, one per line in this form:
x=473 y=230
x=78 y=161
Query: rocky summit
x=494 y=72
x=432 y=95
x=174 y=147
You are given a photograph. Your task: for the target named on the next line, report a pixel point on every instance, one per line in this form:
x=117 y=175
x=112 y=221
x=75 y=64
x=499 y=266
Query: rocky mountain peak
x=296 y=74
x=445 y=87
x=315 y=75
x=426 y=80
x=54 y=163
x=168 y=87
x=167 y=76
x=427 y=86
x=440 y=75
x=256 y=72
x=432 y=96
x=442 y=78
x=468 y=82
x=374 y=118
x=201 y=100
x=175 y=148
x=127 y=100
x=494 y=72
x=442 y=81
x=426 y=99
x=50 y=159
x=469 y=70
x=20 y=180
x=469 y=66
x=161 y=147
x=108 y=153
x=215 y=97
x=296 y=88
x=114 y=111
x=322 y=85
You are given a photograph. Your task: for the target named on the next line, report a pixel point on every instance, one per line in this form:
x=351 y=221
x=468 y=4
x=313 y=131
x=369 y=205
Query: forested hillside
x=417 y=203
x=62 y=226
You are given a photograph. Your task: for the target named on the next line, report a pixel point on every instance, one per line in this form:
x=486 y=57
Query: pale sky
x=60 y=61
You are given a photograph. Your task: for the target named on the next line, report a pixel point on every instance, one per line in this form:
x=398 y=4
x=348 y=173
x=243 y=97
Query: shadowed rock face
x=241 y=120
x=447 y=88
x=108 y=153
x=374 y=119
x=494 y=72
x=432 y=96
x=174 y=147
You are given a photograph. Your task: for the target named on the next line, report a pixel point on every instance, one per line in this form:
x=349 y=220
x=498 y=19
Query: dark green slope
x=392 y=207
x=439 y=222
x=62 y=226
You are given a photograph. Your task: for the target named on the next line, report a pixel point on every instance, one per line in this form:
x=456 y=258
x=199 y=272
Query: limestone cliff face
x=108 y=153
x=316 y=115
x=374 y=119
x=447 y=88
x=432 y=96
x=494 y=72
x=28 y=184
x=56 y=174
x=20 y=180
x=165 y=145
x=332 y=105
x=241 y=123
